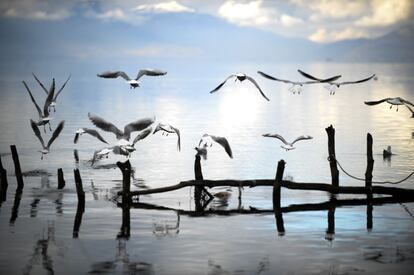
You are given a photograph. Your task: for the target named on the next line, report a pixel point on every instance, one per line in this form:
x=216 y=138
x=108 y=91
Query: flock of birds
x=144 y=126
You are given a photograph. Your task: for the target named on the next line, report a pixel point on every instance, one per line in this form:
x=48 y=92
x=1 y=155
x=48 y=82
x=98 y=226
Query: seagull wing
x=49 y=99
x=56 y=133
x=221 y=84
x=75 y=140
x=321 y=80
x=357 y=81
x=150 y=72
x=142 y=135
x=61 y=88
x=223 y=142
x=278 y=137
x=179 y=137
x=37 y=132
x=276 y=79
x=104 y=125
x=257 y=86
x=114 y=74
x=138 y=125
x=302 y=138
x=406 y=102
x=377 y=102
x=41 y=84
x=411 y=110
x=34 y=101
x=94 y=133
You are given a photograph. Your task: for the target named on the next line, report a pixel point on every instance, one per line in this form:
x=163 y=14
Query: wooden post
x=276 y=197
x=197 y=168
x=332 y=157
x=16 y=204
x=3 y=183
x=125 y=230
x=79 y=186
x=370 y=162
x=125 y=168
x=61 y=179
x=17 y=168
x=81 y=203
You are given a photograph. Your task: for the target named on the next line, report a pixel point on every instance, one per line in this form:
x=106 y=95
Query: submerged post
x=370 y=162
x=276 y=197
x=61 y=179
x=125 y=168
x=81 y=203
x=17 y=168
x=3 y=183
x=79 y=187
x=332 y=158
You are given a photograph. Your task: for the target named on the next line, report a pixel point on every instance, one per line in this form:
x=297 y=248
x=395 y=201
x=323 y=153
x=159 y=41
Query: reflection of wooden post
x=125 y=168
x=17 y=168
x=332 y=160
x=61 y=179
x=81 y=203
x=330 y=232
x=370 y=207
x=125 y=230
x=3 y=183
x=370 y=162
x=15 y=209
x=276 y=197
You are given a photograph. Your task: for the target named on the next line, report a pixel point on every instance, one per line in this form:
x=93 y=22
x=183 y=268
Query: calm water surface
x=36 y=231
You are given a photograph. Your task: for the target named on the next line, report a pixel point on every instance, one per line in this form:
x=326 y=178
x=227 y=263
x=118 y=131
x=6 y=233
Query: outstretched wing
x=104 y=125
x=41 y=84
x=61 y=88
x=321 y=80
x=49 y=99
x=149 y=72
x=56 y=133
x=142 y=135
x=138 y=125
x=95 y=134
x=223 y=142
x=257 y=86
x=357 y=81
x=33 y=100
x=221 y=84
x=406 y=102
x=179 y=137
x=114 y=74
x=411 y=110
x=276 y=79
x=37 y=132
x=278 y=137
x=302 y=138
x=377 y=102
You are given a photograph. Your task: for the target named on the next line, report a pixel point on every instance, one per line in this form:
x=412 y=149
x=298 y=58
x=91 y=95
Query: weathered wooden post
x=276 y=197
x=125 y=168
x=332 y=157
x=201 y=196
x=61 y=179
x=370 y=163
x=16 y=204
x=17 y=168
x=81 y=203
x=3 y=183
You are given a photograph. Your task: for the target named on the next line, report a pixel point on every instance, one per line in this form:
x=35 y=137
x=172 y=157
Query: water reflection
x=16 y=204
x=163 y=229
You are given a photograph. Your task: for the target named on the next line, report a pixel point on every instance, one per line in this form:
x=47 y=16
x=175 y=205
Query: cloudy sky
x=320 y=21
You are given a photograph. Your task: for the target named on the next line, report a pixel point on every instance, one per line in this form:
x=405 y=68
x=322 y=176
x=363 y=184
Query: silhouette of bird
x=134 y=83
x=393 y=101
x=288 y=145
x=46 y=148
x=296 y=86
x=168 y=129
x=91 y=132
x=207 y=140
x=44 y=117
x=53 y=102
x=241 y=77
x=134 y=126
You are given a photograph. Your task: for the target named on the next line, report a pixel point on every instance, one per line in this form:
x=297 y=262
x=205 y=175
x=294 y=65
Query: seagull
x=134 y=83
x=393 y=101
x=288 y=146
x=53 y=102
x=207 y=140
x=104 y=152
x=386 y=153
x=44 y=117
x=335 y=85
x=134 y=126
x=142 y=135
x=55 y=134
x=91 y=132
x=241 y=77
x=168 y=129
x=296 y=86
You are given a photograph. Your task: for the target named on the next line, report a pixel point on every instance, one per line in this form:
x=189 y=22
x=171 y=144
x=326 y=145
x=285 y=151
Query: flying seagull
x=134 y=126
x=134 y=83
x=53 y=102
x=393 y=101
x=104 y=152
x=241 y=77
x=142 y=135
x=91 y=132
x=207 y=140
x=55 y=134
x=335 y=85
x=287 y=145
x=296 y=86
x=168 y=129
x=44 y=117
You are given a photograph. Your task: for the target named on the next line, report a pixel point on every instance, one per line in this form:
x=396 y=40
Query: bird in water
x=397 y=101
x=46 y=148
x=44 y=117
x=168 y=129
x=241 y=77
x=333 y=86
x=53 y=101
x=296 y=86
x=91 y=132
x=207 y=141
x=288 y=145
x=134 y=83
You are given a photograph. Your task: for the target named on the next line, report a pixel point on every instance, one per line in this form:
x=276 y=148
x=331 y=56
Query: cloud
x=165 y=50
x=290 y=21
x=337 y=9
x=35 y=10
x=164 y=7
x=244 y=14
x=386 y=12
x=322 y=35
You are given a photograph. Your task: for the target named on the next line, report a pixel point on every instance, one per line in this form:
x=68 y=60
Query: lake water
x=36 y=232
